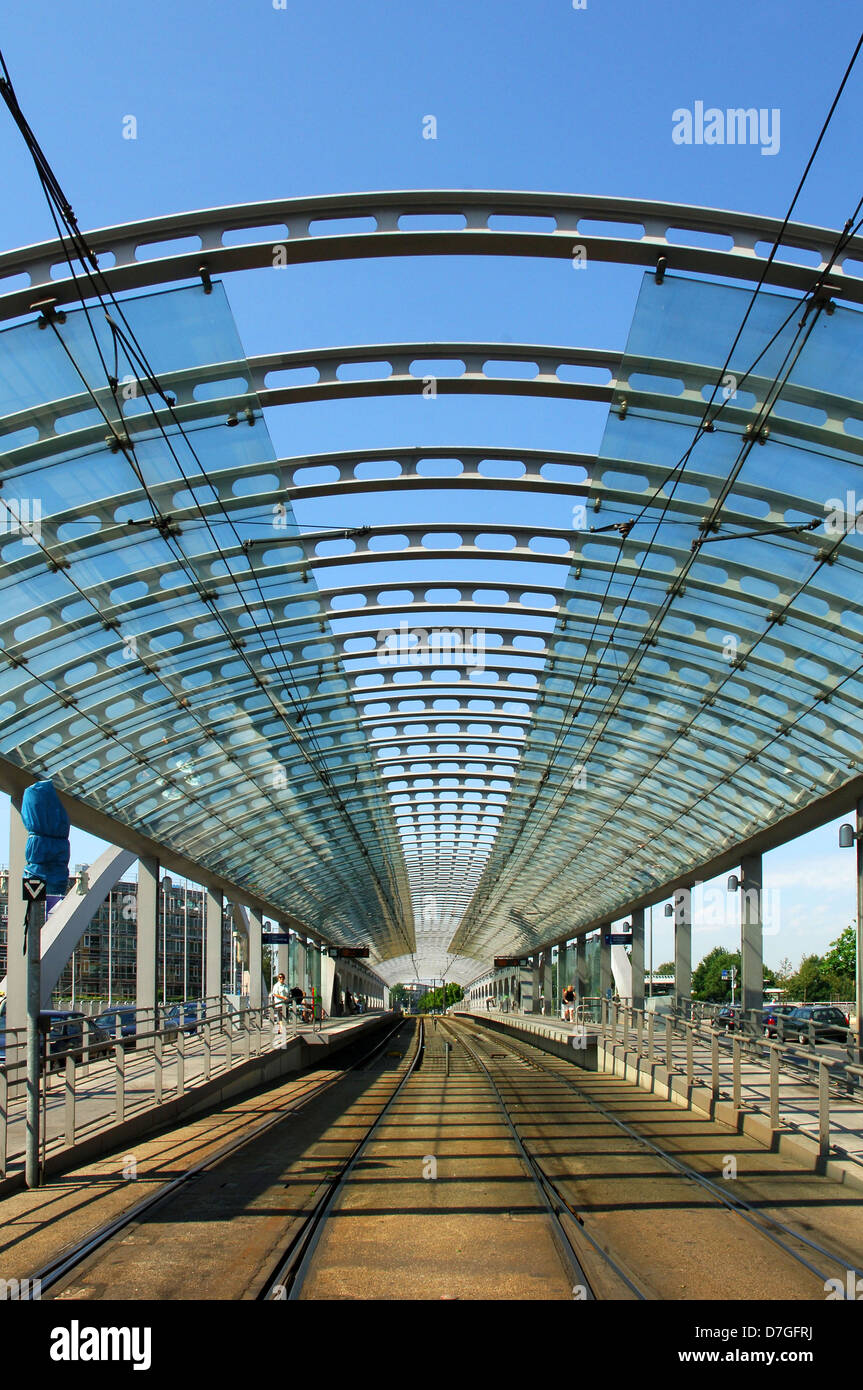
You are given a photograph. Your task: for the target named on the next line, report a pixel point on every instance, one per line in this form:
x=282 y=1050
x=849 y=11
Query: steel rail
x=290 y=1273
x=552 y=1195
x=746 y=1210
x=75 y=1255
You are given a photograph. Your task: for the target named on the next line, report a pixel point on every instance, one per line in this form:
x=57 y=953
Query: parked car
x=185 y=1016
x=727 y=1018
x=122 y=1018
x=828 y=1023
x=770 y=1019
x=61 y=1031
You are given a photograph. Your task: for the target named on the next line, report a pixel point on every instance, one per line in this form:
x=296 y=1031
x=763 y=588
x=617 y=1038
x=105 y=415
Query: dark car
x=770 y=1020
x=61 y=1031
x=825 y=1021
x=120 y=1020
x=728 y=1018
x=185 y=1016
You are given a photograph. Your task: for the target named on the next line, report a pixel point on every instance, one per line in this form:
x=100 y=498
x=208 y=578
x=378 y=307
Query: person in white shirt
x=281 y=999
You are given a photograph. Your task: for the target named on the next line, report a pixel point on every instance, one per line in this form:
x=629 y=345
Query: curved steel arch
x=364 y=715
x=289 y=220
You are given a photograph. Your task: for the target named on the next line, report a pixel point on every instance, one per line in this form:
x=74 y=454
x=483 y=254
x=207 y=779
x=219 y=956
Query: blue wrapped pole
x=46 y=857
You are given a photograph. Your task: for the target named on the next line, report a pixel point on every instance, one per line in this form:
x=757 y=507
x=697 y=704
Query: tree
x=840 y=963
x=437 y=999
x=399 y=996
x=666 y=968
x=707 y=981
x=811 y=981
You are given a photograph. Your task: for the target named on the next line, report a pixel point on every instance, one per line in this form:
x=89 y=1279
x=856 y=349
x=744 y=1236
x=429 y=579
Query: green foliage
x=811 y=982
x=707 y=981
x=840 y=963
x=666 y=968
x=399 y=997
x=435 y=1000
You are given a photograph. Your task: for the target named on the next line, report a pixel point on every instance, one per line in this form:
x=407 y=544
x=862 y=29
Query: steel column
x=147 y=934
x=637 y=960
x=682 y=945
x=215 y=912
x=751 y=939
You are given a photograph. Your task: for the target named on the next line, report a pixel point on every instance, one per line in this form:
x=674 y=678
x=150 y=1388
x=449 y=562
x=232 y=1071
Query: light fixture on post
x=733 y=884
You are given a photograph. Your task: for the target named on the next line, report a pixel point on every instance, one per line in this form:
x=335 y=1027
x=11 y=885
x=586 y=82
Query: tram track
x=778 y=1233
x=50 y=1278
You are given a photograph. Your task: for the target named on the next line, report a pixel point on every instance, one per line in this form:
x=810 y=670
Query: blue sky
x=239 y=102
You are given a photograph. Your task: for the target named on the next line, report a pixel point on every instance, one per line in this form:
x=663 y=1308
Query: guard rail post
x=625 y=1028
x=714 y=1066
x=120 y=1076
x=690 y=1066
x=774 y=1085
x=735 y=1072
x=229 y=1045
x=823 y=1107
x=69 y=1102
x=158 y=1067
x=4 y=1105
x=208 y=1051
x=651 y=1028
x=669 y=1046
x=639 y=1034
x=181 y=1061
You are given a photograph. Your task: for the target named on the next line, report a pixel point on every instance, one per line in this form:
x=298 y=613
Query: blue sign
x=275 y=938
x=617 y=939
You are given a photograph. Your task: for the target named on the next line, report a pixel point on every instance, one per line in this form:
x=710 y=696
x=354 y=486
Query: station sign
x=276 y=938
x=501 y=962
x=353 y=953
x=617 y=938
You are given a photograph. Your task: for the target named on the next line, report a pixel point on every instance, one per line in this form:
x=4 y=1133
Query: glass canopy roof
x=448 y=737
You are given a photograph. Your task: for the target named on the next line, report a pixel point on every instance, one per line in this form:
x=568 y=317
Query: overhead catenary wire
x=56 y=198
x=482 y=903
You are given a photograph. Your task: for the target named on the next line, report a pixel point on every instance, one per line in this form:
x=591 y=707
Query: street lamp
x=849 y=836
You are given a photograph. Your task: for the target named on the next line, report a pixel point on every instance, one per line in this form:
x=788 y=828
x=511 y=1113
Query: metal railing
x=654 y=1036
x=160 y=1060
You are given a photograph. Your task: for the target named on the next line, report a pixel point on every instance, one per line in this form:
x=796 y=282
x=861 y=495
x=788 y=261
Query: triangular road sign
x=34 y=889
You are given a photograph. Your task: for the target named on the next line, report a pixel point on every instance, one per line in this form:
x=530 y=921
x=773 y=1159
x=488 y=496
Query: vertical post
x=651 y=1023
x=213 y=976
x=605 y=975
x=859 y=972
x=120 y=1073
x=774 y=1085
x=208 y=1051
x=181 y=1061
x=823 y=1108
x=256 y=927
x=669 y=1043
x=581 y=968
x=4 y=1112
x=690 y=1067
x=146 y=938
x=637 y=961
x=158 y=1062
x=714 y=1067
x=682 y=947
x=35 y=920
x=69 y=1102
x=751 y=944
x=735 y=1071
x=16 y=978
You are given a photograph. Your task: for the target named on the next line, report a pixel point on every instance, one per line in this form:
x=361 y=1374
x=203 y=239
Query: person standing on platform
x=281 y=998
x=568 y=1004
